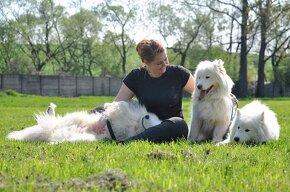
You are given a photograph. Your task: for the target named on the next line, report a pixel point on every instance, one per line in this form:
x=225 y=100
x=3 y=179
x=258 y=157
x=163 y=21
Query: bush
x=9 y=93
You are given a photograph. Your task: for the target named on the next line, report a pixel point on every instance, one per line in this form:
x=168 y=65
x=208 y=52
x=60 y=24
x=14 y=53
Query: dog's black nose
x=146 y=116
x=236 y=139
x=199 y=86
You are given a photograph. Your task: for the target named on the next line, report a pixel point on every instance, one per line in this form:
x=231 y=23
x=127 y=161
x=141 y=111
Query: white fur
x=211 y=109
x=126 y=118
x=51 y=109
x=129 y=118
x=255 y=123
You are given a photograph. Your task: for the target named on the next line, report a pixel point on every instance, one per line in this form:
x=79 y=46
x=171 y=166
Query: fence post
x=40 y=84
x=110 y=85
x=58 y=86
x=21 y=83
x=1 y=83
x=93 y=86
x=77 y=86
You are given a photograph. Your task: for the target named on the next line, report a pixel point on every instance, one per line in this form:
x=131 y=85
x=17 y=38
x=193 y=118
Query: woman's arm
x=124 y=94
x=189 y=87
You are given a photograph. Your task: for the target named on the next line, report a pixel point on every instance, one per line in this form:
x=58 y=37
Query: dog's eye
x=247 y=130
x=198 y=77
x=238 y=127
x=207 y=77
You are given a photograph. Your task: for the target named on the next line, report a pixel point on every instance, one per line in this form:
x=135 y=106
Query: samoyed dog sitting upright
x=126 y=119
x=212 y=103
x=254 y=123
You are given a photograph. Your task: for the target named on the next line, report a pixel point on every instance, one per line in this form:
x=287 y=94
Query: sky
x=140 y=33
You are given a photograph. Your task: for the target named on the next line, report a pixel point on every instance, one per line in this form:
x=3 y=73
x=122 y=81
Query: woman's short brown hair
x=147 y=49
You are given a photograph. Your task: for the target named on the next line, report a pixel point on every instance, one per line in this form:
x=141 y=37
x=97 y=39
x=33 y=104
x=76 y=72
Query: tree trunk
x=261 y=67
x=243 y=82
x=263 y=44
x=183 y=57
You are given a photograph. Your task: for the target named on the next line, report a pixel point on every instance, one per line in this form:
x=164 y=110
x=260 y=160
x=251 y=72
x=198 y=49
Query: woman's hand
x=101 y=126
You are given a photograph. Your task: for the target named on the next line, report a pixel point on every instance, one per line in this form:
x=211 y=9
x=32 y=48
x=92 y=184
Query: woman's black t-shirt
x=162 y=95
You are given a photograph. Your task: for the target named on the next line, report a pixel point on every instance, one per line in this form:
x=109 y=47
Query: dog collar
x=234 y=110
x=235 y=107
x=111 y=130
x=142 y=121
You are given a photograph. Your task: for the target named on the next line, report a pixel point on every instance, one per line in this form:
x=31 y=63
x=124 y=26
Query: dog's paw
x=224 y=142
x=220 y=144
x=51 y=109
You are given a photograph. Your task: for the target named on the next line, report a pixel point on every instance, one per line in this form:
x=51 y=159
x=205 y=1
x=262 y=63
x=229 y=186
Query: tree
x=274 y=36
x=183 y=22
x=234 y=11
x=119 y=21
x=7 y=42
x=35 y=25
x=80 y=34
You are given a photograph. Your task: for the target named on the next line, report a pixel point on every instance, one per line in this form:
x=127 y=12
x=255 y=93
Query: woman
x=159 y=87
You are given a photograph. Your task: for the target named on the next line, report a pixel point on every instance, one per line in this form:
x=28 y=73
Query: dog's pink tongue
x=202 y=94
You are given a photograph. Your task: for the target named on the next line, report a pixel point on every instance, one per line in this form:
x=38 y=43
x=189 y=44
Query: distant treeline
x=252 y=37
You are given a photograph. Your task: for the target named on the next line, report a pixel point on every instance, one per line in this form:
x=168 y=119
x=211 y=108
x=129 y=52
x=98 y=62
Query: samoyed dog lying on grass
x=254 y=123
x=126 y=119
x=212 y=102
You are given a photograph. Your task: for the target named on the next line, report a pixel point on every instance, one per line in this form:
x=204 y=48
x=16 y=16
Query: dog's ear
x=220 y=62
x=262 y=116
x=262 y=129
x=219 y=66
x=238 y=113
x=227 y=81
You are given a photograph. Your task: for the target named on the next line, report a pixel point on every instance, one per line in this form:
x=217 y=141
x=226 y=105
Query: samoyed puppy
x=254 y=123
x=126 y=118
x=212 y=102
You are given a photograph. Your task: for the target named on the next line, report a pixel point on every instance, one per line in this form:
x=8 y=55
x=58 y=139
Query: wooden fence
x=272 y=90
x=71 y=86
x=67 y=86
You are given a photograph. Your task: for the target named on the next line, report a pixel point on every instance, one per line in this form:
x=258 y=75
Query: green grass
x=137 y=166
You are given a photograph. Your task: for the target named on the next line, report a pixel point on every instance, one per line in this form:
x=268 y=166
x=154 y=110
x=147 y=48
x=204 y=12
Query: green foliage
x=197 y=54
x=137 y=166
x=40 y=37
x=9 y=93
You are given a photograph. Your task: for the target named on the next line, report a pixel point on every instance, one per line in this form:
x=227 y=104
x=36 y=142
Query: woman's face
x=158 y=66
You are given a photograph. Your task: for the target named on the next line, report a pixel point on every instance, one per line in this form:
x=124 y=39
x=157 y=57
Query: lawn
x=137 y=166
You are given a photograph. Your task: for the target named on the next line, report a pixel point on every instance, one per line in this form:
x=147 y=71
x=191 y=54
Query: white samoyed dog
x=254 y=123
x=126 y=118
x=212 y=103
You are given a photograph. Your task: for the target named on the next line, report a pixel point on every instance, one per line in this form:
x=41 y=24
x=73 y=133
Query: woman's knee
x=180 y=124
